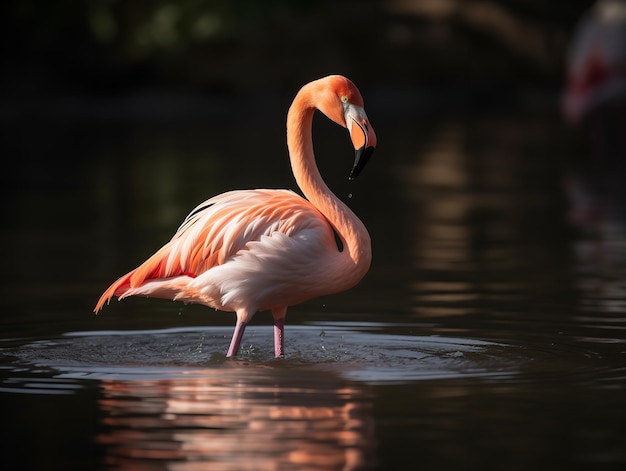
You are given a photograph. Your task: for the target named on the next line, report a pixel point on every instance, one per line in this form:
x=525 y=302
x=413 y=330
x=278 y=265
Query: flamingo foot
x=236 y=340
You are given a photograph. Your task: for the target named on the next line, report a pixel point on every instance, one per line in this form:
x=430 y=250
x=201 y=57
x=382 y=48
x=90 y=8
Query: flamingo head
x=342 y=102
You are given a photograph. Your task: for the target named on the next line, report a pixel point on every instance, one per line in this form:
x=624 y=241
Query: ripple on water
x=363 y=352
x=360 y=352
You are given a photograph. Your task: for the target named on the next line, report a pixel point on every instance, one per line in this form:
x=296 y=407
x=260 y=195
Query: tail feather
x=177 y=288
x=158 y=267
x=154 y=267
x=117 y=288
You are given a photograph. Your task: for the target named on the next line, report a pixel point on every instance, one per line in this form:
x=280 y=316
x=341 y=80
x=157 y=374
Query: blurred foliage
x=113 y=45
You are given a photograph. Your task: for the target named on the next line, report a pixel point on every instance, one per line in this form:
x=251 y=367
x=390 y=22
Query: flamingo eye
x=344 y=99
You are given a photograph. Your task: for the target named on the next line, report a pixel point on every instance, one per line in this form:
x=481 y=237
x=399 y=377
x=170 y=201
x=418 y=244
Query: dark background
x=473 y=48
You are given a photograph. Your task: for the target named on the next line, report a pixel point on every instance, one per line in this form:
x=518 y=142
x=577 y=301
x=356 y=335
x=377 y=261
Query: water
x=490 y=332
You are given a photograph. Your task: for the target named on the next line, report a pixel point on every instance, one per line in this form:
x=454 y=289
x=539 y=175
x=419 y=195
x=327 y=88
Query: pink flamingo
x=253 y=250
x=596 y=62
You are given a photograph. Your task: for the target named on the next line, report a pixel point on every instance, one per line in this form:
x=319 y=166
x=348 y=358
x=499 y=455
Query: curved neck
x=354 y=235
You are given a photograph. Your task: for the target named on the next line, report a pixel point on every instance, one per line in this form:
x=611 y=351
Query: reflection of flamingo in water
x=252 y=250
x=223 y=418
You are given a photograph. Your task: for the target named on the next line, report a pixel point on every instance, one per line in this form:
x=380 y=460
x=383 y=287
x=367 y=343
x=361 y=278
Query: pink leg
x=279 y=331
x=236 y=340
x=279 y=336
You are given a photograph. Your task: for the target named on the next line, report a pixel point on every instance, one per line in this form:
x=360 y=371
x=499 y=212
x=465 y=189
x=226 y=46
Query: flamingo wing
x=215 y=232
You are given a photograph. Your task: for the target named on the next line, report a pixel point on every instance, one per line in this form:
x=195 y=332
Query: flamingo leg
x=279 y=331
x=236 y=340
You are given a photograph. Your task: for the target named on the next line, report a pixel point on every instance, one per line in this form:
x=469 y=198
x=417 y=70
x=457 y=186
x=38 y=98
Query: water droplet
x=322 y=335
x=349 y=195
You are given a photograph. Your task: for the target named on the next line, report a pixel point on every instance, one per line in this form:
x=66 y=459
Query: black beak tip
x=360 y=160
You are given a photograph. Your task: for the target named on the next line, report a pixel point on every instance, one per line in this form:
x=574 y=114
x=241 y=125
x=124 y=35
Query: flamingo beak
x=362 y=135
x=361 y=158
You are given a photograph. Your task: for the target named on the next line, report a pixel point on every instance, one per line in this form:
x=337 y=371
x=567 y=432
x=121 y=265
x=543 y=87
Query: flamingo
x=254 y=250
x=596 y=62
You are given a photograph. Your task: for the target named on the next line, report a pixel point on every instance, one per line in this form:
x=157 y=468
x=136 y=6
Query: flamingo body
x=252 y=250
x=274 y=239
